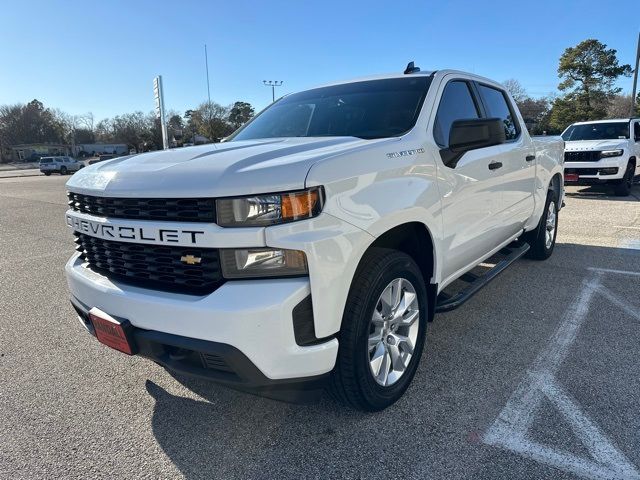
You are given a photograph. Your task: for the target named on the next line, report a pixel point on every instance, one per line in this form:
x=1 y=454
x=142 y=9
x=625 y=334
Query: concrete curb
x=16 y=174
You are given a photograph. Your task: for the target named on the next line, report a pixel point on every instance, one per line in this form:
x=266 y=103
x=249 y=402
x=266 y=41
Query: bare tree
x=515 y=88
x=85 y=121
x=619 y=106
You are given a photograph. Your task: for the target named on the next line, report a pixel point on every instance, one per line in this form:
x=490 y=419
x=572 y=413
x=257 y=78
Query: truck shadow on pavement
x=602 y=192
x=237 y=435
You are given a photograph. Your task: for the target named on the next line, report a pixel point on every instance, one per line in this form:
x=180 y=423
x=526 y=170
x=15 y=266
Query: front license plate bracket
x=113 y=332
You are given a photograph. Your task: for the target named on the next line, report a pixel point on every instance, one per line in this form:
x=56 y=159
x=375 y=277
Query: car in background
x=62 y=165
x=603 y=152
x=102 y=158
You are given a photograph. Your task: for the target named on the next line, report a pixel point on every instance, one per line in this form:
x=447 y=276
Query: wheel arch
x=556 y=185
x=416 y=240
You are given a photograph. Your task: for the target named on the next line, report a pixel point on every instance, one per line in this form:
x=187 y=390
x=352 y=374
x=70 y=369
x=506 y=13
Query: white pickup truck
x=603 y=152
x=312 y=248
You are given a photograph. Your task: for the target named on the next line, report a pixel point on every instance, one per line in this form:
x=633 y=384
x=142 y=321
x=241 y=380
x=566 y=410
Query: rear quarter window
x=498 y=106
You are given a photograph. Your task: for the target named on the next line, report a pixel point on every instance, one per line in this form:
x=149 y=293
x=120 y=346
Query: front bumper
x=215 y=361
x=591 y=173
x=253 y=317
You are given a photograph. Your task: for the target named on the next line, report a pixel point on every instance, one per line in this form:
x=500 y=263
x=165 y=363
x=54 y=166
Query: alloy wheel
x=393 y=331
x=552 y=222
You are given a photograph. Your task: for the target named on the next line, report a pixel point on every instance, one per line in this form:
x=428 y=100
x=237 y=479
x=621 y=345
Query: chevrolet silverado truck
x=310 y=250
x=603 y=152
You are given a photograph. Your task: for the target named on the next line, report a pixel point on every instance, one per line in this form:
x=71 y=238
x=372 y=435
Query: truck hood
x=215 y=170
x=586 y=145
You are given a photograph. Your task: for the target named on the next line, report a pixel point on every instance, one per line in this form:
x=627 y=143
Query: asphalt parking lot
x=536 y=377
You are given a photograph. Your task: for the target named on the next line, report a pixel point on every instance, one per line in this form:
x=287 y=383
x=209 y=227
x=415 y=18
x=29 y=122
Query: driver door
x=471 y=191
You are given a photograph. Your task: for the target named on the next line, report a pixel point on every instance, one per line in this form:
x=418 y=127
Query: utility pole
x=206 y=64
x=635 y=79
x=273 y=84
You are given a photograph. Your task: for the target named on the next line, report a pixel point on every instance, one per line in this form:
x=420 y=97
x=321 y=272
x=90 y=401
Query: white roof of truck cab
x=424 y=73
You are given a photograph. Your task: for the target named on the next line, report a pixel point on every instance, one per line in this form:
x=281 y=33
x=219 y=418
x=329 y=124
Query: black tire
x=537 y=238
x=63 y=170
x=47 y=173
x=623 y=189
x=353 y=381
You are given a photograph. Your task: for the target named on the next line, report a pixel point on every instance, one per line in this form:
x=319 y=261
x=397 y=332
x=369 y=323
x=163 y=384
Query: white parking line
x=511 y=428
x=609 y=270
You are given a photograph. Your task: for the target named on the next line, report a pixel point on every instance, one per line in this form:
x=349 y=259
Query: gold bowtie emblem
x=190 y=260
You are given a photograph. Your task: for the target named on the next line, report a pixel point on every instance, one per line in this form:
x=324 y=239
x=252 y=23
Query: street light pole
x=635 y=79
x=206 y=66
x=273 y=84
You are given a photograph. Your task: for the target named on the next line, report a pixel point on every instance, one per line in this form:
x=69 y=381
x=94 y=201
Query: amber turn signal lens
x=300 y=205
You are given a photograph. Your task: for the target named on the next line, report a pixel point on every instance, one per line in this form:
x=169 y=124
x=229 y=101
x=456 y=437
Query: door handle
x=495 y=165
x=530 y=158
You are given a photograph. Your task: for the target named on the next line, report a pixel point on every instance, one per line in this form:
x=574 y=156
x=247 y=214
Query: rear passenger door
x=517 y=157
x=470 y=191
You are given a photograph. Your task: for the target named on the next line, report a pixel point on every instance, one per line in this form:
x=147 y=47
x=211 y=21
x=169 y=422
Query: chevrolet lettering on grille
x=134 y=233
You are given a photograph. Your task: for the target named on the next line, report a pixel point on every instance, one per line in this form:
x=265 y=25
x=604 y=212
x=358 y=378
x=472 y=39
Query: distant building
x=33 y=151
x=94 y=149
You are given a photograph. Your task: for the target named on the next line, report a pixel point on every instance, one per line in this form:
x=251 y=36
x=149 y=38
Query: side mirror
x=466 y=135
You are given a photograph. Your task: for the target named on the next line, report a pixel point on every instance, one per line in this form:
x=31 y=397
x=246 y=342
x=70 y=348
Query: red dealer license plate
x=571 y=177
x=112 y=332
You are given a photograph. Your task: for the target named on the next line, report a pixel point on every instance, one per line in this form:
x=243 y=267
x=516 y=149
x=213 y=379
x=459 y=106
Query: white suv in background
x=603 y=151
x=61 y=165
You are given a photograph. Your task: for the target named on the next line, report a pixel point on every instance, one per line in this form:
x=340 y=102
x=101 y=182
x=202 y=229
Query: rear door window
x=497 y=106
x=457 y=103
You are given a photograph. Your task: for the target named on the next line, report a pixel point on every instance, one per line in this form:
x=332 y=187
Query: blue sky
x=102 y=56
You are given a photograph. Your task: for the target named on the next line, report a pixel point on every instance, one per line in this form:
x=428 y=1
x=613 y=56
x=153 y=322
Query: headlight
x=262 y=262
x=272 y=209
x=611 y=153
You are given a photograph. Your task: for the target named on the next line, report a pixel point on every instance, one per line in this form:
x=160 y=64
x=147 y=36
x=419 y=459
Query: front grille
x=588 y=156
x=167 y=209
x=152 y=266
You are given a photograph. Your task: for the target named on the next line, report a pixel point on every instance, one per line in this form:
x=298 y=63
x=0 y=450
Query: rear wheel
x=623 y=188
x=542 y=240
x=383 y=331
x=47 y=173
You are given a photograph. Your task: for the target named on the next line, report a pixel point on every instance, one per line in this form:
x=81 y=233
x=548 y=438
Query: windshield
x=371 y=109
x=597 y=131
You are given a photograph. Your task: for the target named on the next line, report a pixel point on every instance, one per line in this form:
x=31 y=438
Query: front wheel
x=63 y=170
x=383 y=330
x=623 y=189
x=542 y=240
